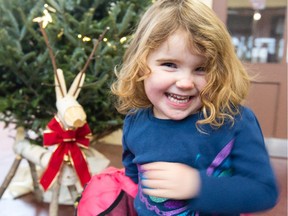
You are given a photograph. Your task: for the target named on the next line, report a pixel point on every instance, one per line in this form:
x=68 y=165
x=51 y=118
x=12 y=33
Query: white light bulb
x=257 y=16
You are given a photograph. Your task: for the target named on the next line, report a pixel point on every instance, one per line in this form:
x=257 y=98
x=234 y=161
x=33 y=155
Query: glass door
x=258 y=30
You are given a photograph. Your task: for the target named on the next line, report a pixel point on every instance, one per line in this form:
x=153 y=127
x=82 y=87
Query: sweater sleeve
x=252 y=186
x=131 y=169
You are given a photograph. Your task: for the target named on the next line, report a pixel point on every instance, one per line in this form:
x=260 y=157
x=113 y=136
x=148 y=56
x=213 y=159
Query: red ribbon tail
x=80 y=165
x=53 y=168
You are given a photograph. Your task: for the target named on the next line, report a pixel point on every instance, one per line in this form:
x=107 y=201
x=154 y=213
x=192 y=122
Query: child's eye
x=200 y=69
x=169 y=64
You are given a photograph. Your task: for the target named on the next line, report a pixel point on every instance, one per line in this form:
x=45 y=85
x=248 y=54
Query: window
x=257 y=29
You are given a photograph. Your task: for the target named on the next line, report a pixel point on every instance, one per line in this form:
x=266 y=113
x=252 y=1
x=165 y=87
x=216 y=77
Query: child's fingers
x=155 y=184
x=155 y=174
x=155 y=166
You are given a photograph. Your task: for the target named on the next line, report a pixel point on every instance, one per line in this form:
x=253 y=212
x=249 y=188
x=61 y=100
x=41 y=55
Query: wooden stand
x=10 y=175
x=53 y=207
x=34 y=155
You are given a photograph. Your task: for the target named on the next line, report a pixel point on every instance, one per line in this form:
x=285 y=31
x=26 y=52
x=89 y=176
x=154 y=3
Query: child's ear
x=141 y=73
x=144 y=72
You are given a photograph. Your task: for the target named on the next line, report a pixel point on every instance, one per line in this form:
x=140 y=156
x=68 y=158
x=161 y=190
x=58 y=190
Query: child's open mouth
x=180 y=99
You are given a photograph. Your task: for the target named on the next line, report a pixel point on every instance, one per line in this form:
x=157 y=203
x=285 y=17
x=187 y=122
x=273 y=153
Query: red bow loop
x=68 y=142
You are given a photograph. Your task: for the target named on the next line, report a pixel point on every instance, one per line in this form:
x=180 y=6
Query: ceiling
x=246 y=3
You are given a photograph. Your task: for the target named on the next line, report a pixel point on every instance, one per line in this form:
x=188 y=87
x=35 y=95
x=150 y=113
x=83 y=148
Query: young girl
x=188 y=143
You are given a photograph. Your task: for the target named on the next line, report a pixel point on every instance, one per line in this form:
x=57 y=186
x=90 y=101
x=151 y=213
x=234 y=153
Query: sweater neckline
x=151 y=117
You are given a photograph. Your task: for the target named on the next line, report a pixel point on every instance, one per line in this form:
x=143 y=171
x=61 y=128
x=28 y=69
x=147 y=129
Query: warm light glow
x=257 y=16
x=86 y=39
x=59 y=35
x=105 y=39
x=123 y=40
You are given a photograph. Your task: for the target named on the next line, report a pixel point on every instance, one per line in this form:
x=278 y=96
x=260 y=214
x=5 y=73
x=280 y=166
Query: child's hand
x=170 y=180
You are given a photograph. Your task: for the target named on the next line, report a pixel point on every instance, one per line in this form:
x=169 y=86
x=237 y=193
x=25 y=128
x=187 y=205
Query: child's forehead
x=178 y=37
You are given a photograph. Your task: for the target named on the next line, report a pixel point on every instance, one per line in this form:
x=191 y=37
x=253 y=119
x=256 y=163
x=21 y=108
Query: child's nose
x=185 y=83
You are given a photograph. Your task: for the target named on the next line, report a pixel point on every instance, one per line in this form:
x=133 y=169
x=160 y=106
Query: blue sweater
x=236 y=175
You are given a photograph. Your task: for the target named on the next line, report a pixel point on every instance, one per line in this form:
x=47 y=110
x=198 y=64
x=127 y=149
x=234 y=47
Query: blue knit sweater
x=236 y=175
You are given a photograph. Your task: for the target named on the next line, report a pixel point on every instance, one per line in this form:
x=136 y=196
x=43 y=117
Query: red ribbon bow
x=68 y=142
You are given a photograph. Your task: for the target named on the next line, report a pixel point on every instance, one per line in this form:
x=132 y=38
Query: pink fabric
x=102 y=191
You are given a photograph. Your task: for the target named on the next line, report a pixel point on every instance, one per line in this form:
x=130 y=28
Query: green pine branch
x=27 y=95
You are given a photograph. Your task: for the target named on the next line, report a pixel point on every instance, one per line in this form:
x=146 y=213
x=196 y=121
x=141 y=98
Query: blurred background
x=258 y=30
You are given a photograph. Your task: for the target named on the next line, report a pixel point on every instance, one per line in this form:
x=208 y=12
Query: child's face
x=176 y=80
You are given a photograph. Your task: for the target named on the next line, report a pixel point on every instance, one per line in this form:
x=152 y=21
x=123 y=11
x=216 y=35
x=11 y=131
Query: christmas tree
x=27 y=96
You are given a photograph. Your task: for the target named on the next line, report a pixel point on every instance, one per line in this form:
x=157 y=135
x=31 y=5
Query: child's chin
x=179 y=115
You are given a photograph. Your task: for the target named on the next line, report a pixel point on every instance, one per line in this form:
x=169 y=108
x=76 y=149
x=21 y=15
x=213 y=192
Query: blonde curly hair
x=227 y=80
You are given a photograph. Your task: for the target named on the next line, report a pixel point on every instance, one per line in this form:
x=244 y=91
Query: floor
x=27 y=205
